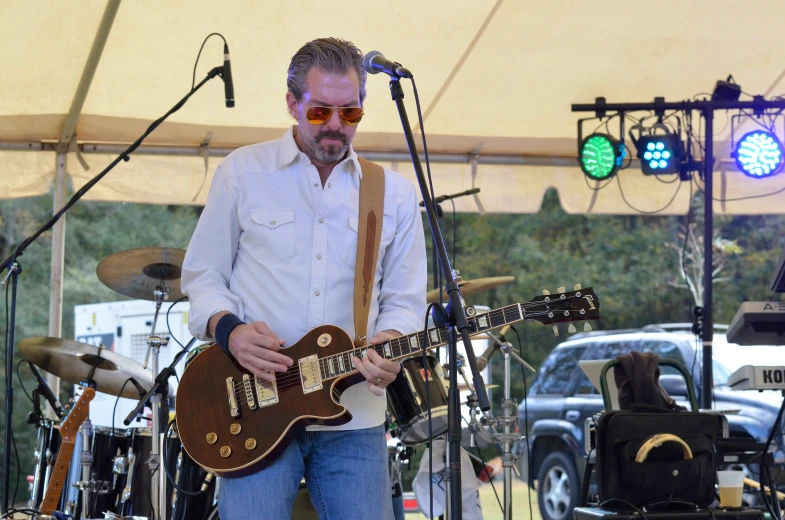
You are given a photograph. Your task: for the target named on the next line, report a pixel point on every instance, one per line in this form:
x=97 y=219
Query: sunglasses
x=320 y=115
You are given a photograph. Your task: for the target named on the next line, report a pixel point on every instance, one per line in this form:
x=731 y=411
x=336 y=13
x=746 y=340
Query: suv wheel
x=558 y=487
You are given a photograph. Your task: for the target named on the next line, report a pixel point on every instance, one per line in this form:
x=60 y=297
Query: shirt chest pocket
x=272 y=236
x=348 y=254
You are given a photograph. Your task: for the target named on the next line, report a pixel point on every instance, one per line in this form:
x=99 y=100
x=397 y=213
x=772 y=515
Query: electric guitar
x=68 y=431
x=233 y=424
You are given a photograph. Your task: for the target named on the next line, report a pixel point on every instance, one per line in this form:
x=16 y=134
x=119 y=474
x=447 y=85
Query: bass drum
x=408 y=405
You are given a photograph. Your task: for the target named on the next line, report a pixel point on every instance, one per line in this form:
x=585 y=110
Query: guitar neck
x=53 y=490
x=408 y=346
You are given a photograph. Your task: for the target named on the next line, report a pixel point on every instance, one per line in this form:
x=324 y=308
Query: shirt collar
x=289 y=152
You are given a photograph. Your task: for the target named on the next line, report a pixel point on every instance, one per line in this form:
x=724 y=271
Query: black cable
x=18 y=468
x=454 y=235
x=490 y=479
x=630 y=504
x=525 y=423
x=193 y=81
x=114 y=409
x=21 y=383
x=166 y=468
x=168 y=327
x=23 y=510
x=678 y=188
x=773 y=507
x=428 y=405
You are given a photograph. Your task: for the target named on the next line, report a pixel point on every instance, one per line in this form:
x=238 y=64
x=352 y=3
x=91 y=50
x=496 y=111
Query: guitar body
x=234 y=424
x=264 y=433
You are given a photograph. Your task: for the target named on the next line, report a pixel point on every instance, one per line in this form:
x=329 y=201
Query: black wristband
x=224 y=328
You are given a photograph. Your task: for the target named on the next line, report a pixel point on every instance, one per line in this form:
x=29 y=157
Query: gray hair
x=329 y=54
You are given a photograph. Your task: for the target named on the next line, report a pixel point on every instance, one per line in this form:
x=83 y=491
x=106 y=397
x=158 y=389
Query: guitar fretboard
x=406 y=346
x=59 y=474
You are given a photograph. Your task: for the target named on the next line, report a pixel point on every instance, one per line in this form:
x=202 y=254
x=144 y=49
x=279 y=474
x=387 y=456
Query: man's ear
x=292 y=104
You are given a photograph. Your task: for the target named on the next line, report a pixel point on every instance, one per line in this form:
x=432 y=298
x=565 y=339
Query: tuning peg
x=586 y=327
x=555 y=330
x=560 y=289
x=571 y=329
x=71 y=400
x=577 y=287
x=546 y=292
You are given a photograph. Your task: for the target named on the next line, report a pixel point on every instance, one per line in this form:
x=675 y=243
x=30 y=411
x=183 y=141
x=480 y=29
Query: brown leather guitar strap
x=369 y=235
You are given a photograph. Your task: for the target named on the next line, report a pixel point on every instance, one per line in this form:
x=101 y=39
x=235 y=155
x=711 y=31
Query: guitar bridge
x=310 y=377
x=234 y=410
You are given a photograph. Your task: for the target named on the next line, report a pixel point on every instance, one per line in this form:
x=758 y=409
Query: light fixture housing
x=759 y=154
x=600 y=156
x=659 y=154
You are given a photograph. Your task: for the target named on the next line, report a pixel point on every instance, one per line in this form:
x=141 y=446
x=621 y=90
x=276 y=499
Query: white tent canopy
x=496 y=78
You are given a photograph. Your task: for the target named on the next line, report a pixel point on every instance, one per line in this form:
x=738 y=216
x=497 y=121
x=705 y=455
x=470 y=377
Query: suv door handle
x=573 y=415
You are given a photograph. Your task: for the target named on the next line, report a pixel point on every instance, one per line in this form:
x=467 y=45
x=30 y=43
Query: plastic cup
x=731 y=488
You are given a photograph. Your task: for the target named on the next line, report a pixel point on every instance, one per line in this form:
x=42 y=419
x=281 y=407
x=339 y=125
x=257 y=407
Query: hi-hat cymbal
x=72 y=361
x=471 y=287
x=139 y=272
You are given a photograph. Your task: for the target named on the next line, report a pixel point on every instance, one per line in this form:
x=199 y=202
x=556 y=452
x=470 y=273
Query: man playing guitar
x=273 y=256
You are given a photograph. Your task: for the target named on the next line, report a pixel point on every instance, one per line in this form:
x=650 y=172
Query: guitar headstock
x=562 y=306
x=77 y=415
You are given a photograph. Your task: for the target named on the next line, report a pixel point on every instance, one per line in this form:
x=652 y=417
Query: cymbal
x=72 y=361
x=139 y=272
x=471 y=287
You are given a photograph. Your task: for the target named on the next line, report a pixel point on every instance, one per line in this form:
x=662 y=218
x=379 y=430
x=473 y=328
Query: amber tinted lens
x=351 y=115
x=318 y=115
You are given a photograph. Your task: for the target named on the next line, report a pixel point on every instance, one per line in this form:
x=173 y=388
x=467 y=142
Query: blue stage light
x=759 y=154
x=659 y=154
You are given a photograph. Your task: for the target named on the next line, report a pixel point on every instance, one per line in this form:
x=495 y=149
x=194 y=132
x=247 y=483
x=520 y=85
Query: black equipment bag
x=665 y=473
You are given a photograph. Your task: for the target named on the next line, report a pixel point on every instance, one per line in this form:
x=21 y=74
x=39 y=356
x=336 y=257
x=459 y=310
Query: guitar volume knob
x=212 y=438
x=225 y=451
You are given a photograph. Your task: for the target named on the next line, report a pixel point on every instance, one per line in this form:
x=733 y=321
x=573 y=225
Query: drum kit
x=114 y=473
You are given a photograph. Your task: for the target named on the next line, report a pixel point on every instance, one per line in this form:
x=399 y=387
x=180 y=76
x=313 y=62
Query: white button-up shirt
x=273 y=245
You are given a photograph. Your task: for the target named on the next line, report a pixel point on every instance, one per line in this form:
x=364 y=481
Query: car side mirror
x=674 y=384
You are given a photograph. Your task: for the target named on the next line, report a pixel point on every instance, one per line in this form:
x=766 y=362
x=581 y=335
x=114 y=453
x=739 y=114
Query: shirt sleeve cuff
x=199 y=317
x=403 y=321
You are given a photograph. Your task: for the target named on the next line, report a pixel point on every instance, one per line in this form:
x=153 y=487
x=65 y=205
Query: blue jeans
x=346 y=472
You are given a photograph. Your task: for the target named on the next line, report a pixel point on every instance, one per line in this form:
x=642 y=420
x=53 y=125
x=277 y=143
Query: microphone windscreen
x=367 y=61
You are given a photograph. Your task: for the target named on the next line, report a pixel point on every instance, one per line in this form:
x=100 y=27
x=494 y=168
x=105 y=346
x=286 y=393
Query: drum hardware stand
x=42 y=456
x=156 y=396
x=508 y=422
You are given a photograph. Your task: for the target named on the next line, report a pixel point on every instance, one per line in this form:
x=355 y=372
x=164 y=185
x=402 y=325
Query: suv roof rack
x=655 y=327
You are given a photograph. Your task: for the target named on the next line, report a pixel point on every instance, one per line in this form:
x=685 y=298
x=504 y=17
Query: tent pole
x=66 y=136
x=56 y=275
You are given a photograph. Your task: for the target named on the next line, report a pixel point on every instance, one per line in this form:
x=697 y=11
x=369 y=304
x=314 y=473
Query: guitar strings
x=293 y=374
x=291 y=378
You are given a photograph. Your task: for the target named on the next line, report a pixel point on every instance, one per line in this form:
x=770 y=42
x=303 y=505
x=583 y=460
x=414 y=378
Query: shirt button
x=316 y=293
x=272 y=222
x=318 y=257
x=321 y=221
x=315 y=184
x=329 y=184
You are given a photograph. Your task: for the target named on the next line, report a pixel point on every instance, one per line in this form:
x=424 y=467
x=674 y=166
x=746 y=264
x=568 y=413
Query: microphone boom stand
x=457 y=319
x=14 y=268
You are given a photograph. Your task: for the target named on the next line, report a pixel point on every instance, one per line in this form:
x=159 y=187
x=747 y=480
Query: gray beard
x=330 y=155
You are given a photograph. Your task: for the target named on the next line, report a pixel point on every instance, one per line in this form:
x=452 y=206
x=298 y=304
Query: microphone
x=485 y=357
x=226 y=74
x=374 y=62
x=46 y=391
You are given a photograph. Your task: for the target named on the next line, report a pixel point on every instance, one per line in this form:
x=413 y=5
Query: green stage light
x=600 y=156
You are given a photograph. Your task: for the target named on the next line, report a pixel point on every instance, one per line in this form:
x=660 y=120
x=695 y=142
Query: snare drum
x=407 y=404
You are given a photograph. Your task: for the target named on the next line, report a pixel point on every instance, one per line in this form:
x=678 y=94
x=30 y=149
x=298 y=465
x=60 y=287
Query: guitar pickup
x=234 y=410
x=266 y=392
x=310 y=377
x=249 y=398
